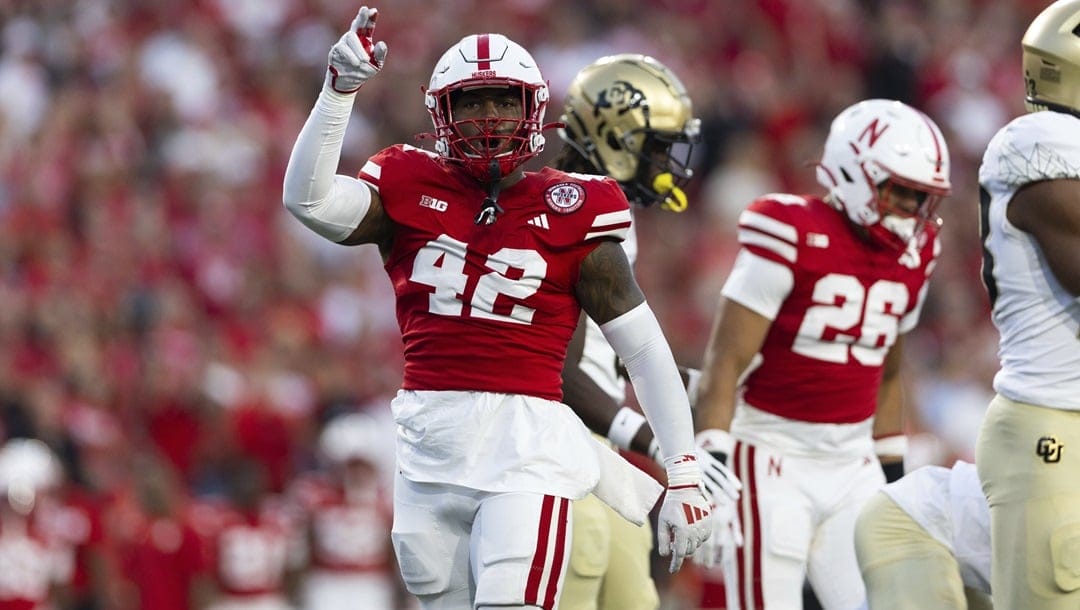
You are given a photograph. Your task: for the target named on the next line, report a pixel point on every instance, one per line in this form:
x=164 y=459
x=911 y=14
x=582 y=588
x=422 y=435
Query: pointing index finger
x=365 y=22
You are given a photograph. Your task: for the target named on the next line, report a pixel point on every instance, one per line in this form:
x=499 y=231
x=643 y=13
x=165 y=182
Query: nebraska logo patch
x=565 y=197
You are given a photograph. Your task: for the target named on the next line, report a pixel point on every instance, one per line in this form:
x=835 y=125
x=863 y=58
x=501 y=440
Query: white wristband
x=896 y=444
x=682 y=471
x=654 y=451
x=625 y=427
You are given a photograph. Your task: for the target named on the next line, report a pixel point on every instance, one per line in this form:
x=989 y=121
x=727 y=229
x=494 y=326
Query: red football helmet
x=487 y=61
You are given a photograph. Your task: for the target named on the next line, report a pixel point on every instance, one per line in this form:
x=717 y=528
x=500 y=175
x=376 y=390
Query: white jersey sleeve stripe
x=908 y=322
x=372 y=169
x=610 y=224
x=782 y=249
x=770 y=226
x=611 y=218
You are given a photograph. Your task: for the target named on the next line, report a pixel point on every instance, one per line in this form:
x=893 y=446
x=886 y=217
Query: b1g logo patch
x=565 y=197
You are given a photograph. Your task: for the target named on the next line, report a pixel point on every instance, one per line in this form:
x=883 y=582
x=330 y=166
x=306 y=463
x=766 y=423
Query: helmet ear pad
x=854 y=188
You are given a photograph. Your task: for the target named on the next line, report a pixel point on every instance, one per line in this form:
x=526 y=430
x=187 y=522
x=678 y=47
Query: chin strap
x=490 y=207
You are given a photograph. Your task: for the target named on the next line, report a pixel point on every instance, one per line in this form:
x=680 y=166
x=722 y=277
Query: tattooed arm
x=606 y=287
x=609 y=293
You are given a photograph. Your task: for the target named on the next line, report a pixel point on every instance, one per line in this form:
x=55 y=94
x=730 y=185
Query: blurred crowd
x=159 y=307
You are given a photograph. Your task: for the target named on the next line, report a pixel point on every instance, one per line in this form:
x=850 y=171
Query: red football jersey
x=849 y=301
x=30 y=565
x=74 y=521
x=161 y=558
x=249 y=554
x=488 y=307
x=349 y=532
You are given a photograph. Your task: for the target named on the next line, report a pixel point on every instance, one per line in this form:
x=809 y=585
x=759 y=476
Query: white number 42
x=441 y=265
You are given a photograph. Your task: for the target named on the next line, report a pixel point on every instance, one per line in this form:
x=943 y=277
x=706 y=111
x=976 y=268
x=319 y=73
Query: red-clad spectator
x=159 y=553
x=262 y=433
x=347 y=508
x=73 y=519
x=253 y=541
x=35 y=569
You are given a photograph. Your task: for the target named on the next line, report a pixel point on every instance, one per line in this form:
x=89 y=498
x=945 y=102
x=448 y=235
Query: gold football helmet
x=1052 y=59
x=630 y=118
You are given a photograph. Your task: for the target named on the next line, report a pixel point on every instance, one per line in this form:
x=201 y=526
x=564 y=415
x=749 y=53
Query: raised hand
x=685 y=519
x=355 y=58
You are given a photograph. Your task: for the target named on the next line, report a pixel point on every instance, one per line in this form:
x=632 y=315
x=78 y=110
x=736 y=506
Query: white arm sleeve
x=638 y=340
x=329 y=204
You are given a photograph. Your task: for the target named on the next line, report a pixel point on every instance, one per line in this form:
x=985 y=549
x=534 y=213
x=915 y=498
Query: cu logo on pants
x=1049 y=449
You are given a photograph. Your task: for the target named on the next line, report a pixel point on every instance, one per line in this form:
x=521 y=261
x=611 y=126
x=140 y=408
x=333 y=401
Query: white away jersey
x=949 y=504
x=1038 y=320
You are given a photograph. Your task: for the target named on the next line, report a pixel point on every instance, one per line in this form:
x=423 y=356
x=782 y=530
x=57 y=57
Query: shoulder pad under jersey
x=1039 y=146
x=772 y=225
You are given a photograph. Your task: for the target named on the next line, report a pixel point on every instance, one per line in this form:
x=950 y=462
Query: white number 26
x=842 y=303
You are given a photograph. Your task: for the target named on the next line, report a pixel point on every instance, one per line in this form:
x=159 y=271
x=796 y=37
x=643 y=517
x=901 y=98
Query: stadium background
x=155 y=298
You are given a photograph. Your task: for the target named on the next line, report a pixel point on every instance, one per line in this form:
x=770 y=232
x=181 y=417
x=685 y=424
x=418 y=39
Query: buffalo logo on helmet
x=622 y=96
x=565 y=197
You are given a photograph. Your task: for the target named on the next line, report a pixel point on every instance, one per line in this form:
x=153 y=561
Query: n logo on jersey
x=565 y=197
x=427 y=201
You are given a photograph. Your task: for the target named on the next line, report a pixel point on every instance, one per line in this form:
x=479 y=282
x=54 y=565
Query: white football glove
x=720 y=482
x=723 y=489
x=355 y=58
x=726 y=535
x=714 y=447
x=685 y=520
